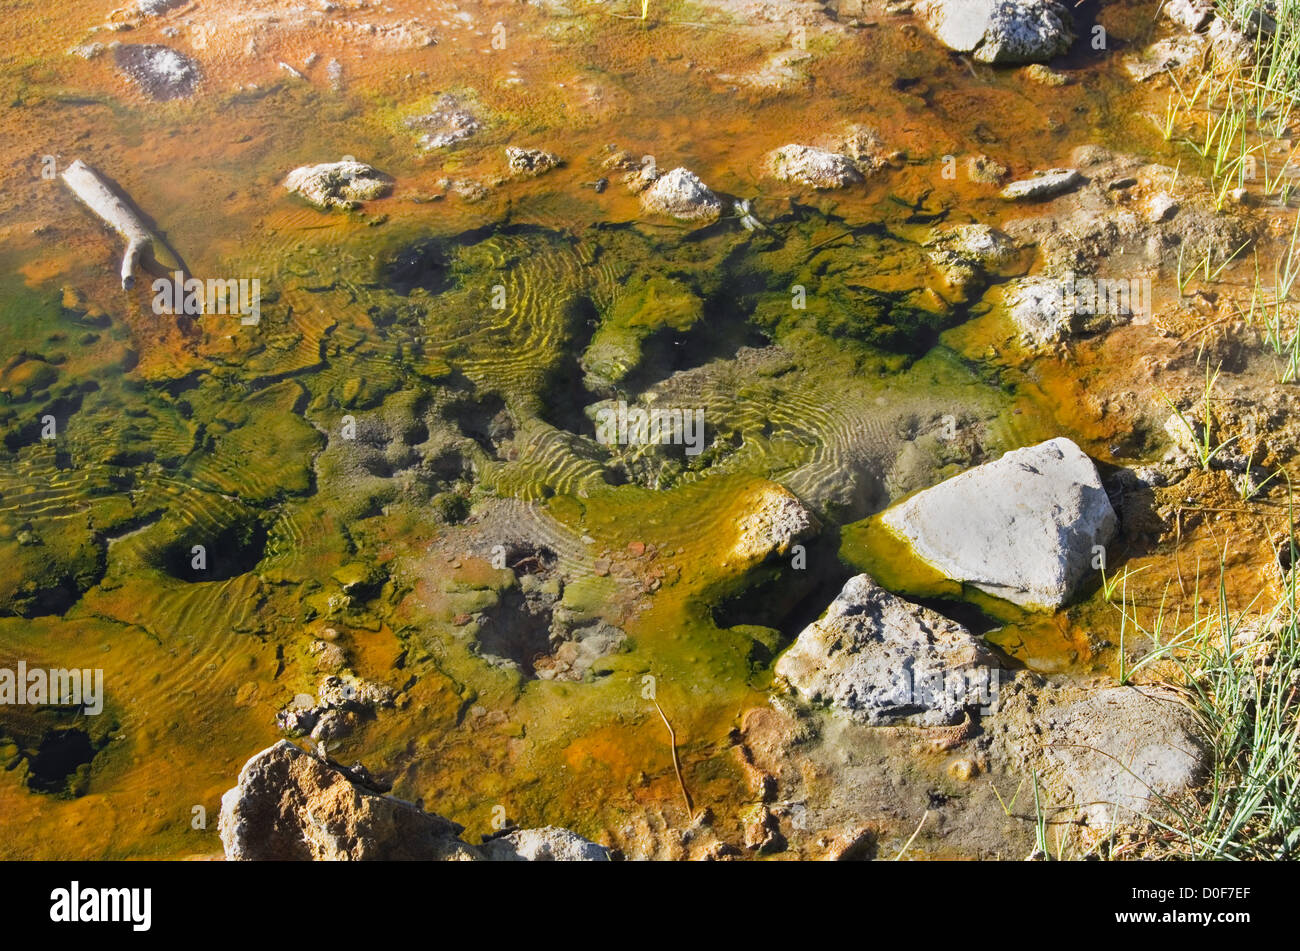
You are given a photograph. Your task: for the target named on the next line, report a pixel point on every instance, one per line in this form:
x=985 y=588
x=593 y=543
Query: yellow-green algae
x=212 y=430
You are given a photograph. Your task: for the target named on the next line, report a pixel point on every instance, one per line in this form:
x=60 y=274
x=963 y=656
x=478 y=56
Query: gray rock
x=338 y=184
x=816 y=168
x=977 y=243
x=1049 y=310
x=967 y=254
x=1160 y=207
x=1044 y=184
x=879 y=659
x=450 y=122
x=292 y=806
x=153 y=8
x=1189 y=14
x=354 y=693
x=334 y=724
x=1229 y=44
x=865 y=148
x=680 y=194
x=161 y=72
x=529 y=163
x=986 y=170
x=1001 y=31
x=549 y=844
x=1021 y=528
x=776 y=520
x=1123 y=752
x=1036 y=305
x=576 y=651
x=1164 y=55
x=1083 y=230
x=337 y=694
x=87 y=50
x=1040 y=74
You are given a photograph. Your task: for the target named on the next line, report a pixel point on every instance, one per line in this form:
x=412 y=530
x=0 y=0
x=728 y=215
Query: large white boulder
x=1001 y=31
x=1022 y=528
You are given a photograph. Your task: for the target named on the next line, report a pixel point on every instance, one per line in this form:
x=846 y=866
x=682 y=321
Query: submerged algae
x=836 y=400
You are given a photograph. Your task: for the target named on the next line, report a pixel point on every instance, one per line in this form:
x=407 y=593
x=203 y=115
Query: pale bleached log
x=95 y=194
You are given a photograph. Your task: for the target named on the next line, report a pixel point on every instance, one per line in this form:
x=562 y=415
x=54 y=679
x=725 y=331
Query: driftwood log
x=95 y=194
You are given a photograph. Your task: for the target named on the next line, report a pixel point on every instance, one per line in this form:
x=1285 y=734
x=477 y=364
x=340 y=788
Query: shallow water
x=177 y=431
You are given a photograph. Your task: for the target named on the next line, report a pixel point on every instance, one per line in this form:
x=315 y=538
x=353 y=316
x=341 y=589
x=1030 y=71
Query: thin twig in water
x=677 y=766
x=820 y=245
x=1178 y=545
x=908 y=844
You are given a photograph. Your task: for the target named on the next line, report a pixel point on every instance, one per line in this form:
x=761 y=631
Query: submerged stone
x=775 y=522
x=816 y=168
x=529 y=163
x=161 y=72
x=1170 y=53
x=549 y=844
x=967 y=254
x=337 y=184
x=1189 y=14
x=447 y=124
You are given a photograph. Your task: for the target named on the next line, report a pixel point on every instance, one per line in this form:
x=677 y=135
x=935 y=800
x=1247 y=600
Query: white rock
x=548 y=844
x=1121 y=751
x=967 y=254
x=1160 y=207
x=879 y=659
x=680 y=194
x=1021 y=528
x=1049 y=310
x=1163 y=55
x=975 y=244
x=529 y=163
x=337 y=184
x=1189 y=14
x=1043 y=184
x=292 y=806
x=1036 y=305
x=448 y=123
x=773 y=524
x=153 y=8
x=816 y=168
x=1001 y=31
